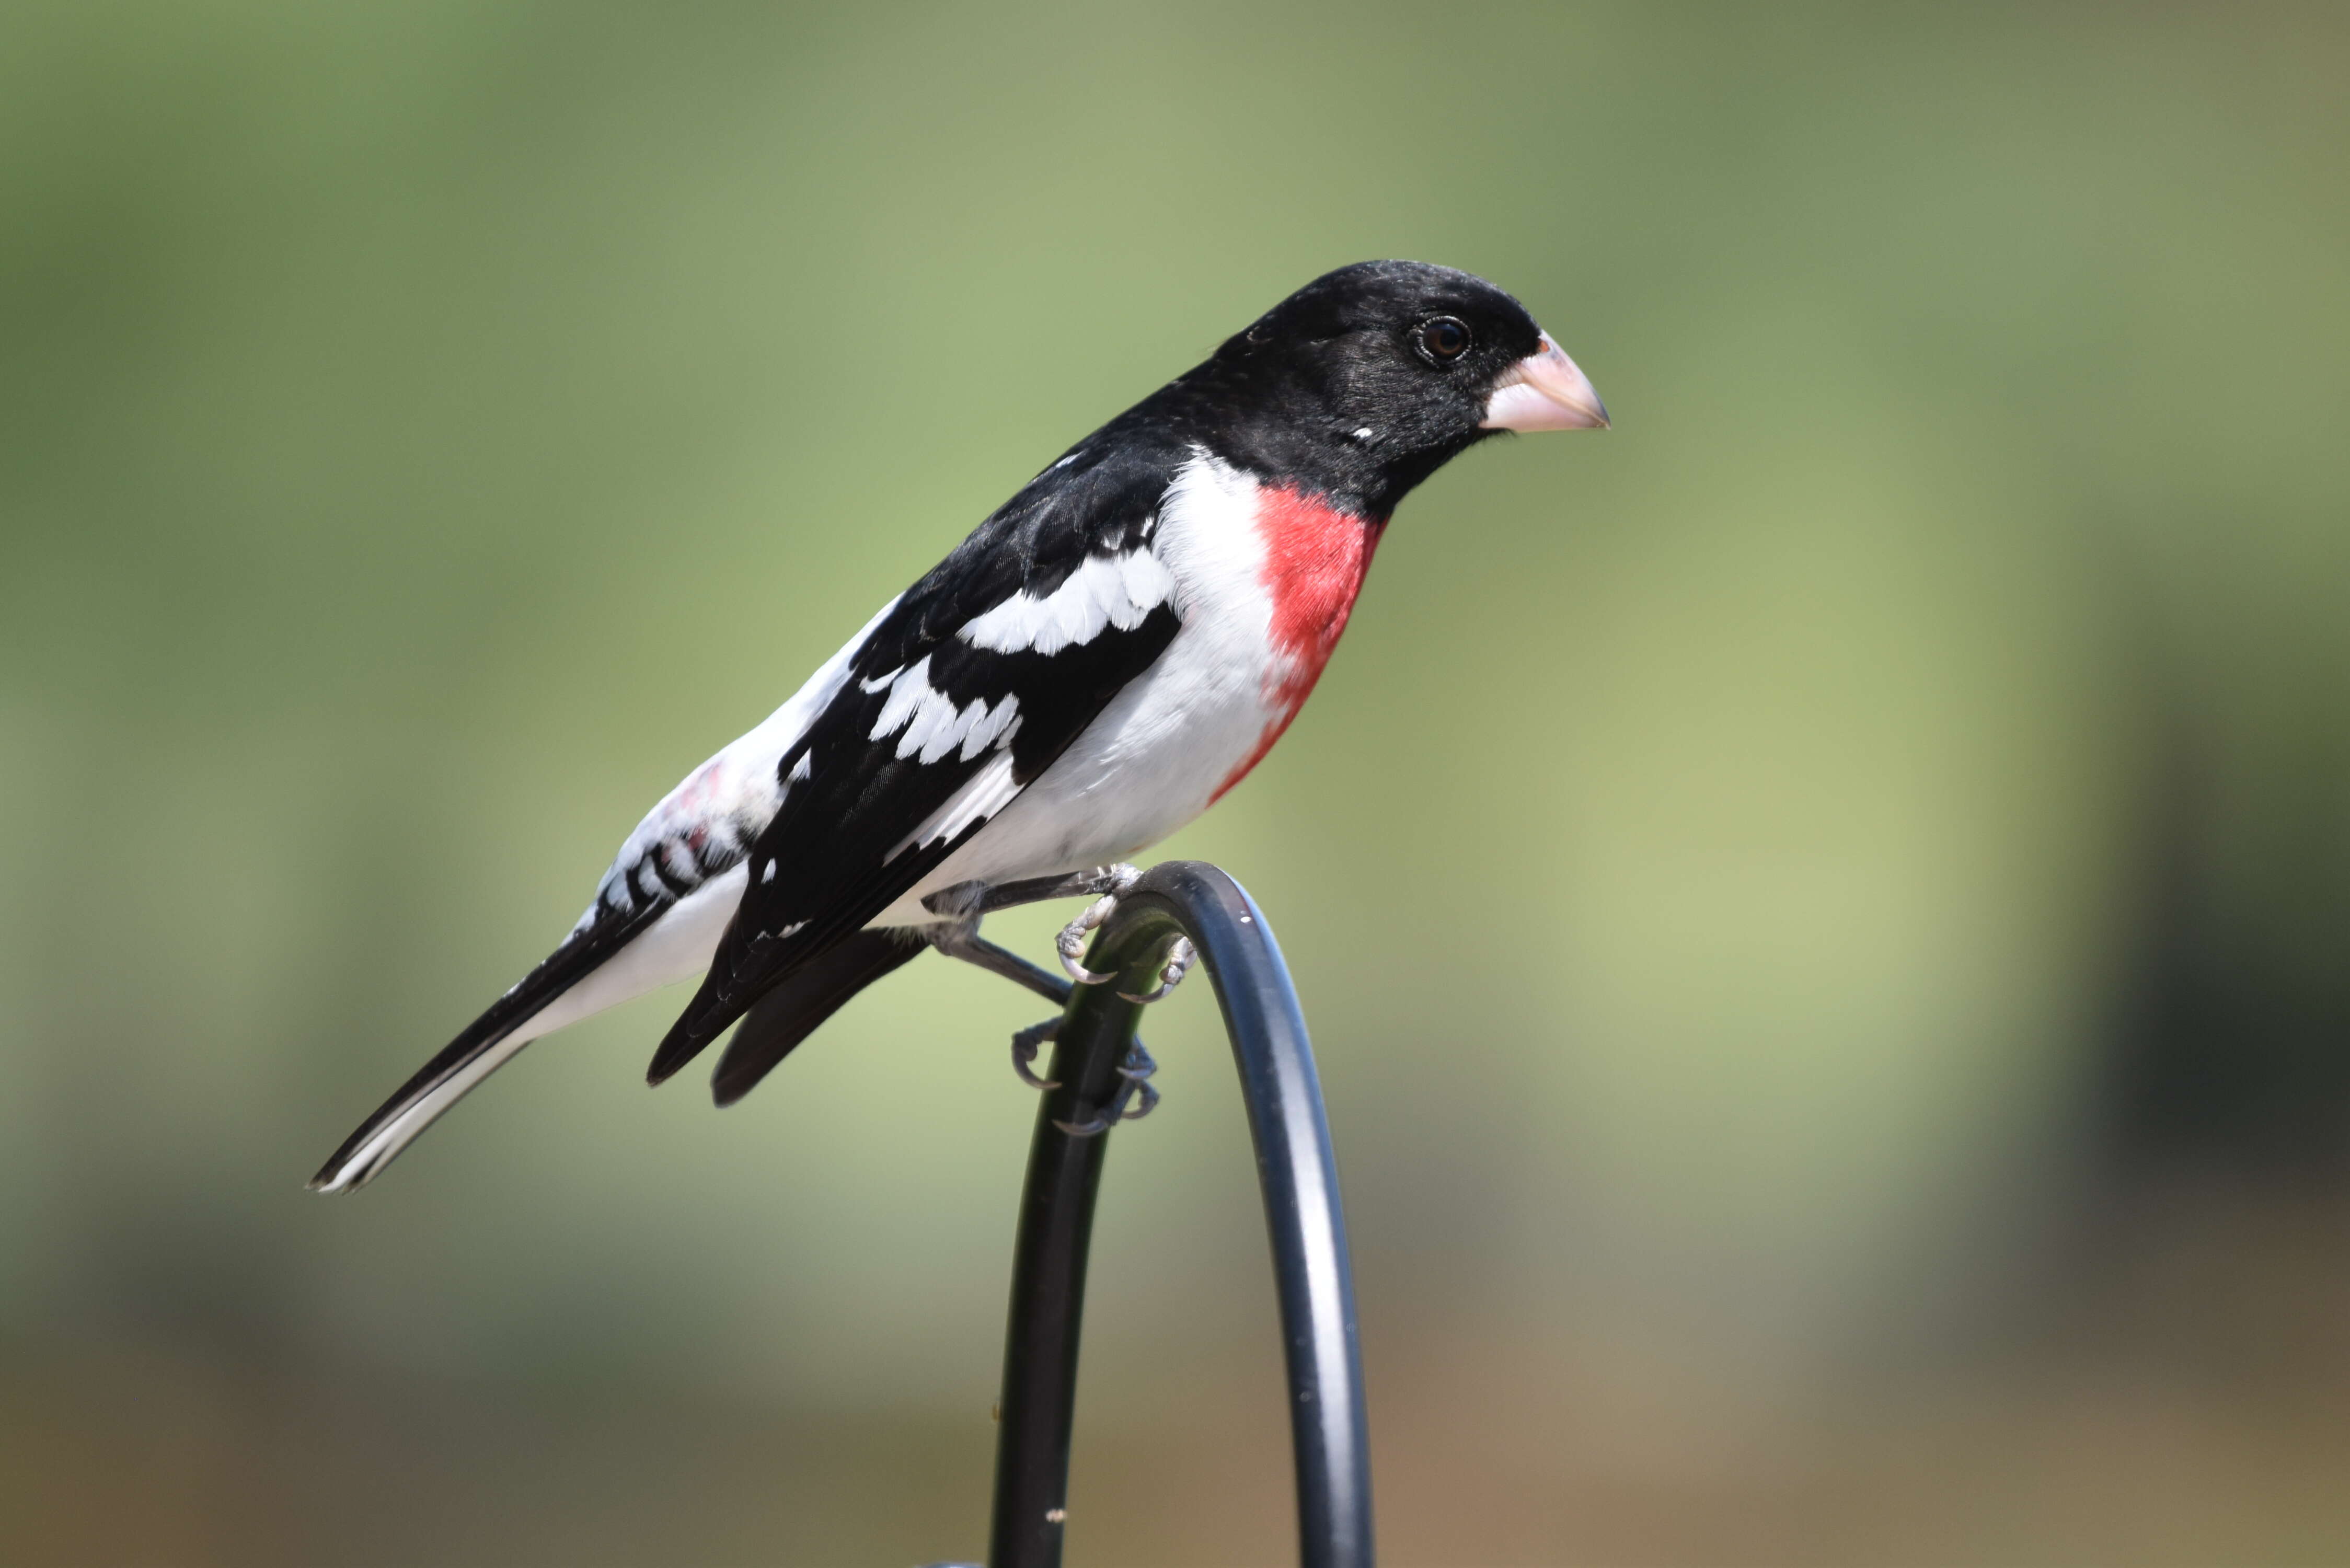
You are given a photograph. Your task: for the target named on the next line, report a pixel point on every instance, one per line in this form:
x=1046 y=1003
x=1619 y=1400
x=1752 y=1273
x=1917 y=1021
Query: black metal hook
x=1295 y=1168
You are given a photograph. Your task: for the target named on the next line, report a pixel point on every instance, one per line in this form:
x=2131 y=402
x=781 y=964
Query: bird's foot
x=1071 y=943
x=1135 y=1098
x=1181 y=956
x=962 y=906
x=1025 y=1042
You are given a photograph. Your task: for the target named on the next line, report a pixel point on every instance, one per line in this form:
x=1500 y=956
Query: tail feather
x=795 y=1010
x=480 y=1049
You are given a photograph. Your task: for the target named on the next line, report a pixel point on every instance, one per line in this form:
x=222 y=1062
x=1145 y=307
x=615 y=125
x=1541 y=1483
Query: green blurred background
x=1824 y=909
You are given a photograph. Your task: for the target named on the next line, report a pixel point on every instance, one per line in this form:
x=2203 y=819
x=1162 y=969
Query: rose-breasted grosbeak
x=1105 y=656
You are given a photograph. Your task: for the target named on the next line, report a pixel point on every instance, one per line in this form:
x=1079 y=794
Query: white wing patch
x=934 y=725
x=1106 y=590
x=983 y=794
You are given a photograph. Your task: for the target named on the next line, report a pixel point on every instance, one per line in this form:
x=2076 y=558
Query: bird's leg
x=986 y=897
x=957 y=935
x=960 y=940
x=969 y=900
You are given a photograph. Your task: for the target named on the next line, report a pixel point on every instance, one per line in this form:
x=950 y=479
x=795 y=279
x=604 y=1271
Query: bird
x=1101 y=659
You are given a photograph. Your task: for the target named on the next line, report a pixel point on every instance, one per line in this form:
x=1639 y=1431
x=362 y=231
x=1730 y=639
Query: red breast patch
x=1315 y=557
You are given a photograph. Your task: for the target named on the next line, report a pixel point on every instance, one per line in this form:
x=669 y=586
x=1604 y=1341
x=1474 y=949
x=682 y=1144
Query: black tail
x=473 y=1056
x=793 y=1010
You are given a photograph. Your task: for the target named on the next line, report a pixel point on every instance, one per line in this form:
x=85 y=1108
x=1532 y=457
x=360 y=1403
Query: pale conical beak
x=1544 y=392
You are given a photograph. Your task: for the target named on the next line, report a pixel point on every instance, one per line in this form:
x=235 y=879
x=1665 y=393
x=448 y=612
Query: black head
x=1367 y=380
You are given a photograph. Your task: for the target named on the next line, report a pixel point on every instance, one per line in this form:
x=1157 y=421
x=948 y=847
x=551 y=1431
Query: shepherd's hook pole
x=1295 y=1168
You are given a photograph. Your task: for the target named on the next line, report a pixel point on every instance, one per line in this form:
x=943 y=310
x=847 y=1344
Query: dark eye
x=1443 y=338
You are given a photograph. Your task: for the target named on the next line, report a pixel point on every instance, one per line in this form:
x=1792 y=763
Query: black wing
x=796 y=1006
x=983 y=675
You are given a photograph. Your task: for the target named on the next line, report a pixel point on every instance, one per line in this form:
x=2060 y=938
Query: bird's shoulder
x=1100 y=498
x=1025 y=628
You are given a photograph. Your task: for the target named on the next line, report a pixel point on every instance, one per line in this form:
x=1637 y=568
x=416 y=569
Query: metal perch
x=1295 y=1168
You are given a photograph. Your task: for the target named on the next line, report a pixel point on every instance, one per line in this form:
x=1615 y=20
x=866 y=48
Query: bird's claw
x=1181 y=956
x=1137 y=1073
x=1135 y=1098
x=1071 y=943
x=1026 y=1044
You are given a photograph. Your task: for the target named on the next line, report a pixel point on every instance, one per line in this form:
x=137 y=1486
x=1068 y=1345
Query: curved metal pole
x=1295 y=1168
